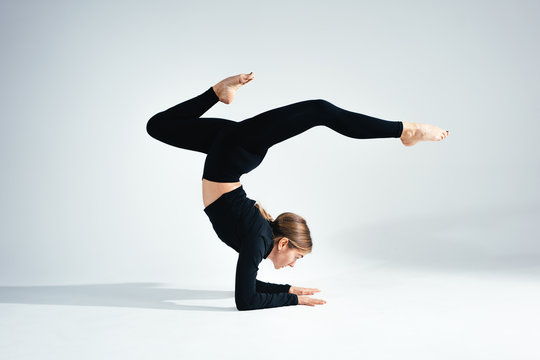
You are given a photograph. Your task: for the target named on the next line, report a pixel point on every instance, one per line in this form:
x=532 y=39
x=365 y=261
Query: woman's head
x=292 y=239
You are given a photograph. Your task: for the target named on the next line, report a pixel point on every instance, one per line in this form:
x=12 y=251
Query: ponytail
x=292 y=226
x=265 y=214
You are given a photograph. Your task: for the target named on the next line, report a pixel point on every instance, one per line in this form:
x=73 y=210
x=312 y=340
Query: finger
x=308 y=291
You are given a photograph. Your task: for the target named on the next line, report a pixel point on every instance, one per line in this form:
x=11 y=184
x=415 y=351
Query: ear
x=283 y=242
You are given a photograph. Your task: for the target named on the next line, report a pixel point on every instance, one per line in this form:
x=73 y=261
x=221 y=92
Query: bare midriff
x=212 y=190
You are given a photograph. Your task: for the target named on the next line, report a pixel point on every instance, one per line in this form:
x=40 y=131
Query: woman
x=235 y=148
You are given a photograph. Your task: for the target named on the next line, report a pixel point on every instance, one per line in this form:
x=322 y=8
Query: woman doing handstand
x=235 y=148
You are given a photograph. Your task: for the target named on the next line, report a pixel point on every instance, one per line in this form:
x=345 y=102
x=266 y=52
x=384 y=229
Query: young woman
x=235 y=148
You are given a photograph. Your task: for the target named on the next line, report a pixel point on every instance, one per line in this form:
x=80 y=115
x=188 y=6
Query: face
x=282 y=255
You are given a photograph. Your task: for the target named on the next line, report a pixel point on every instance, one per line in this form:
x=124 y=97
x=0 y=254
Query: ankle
x=215 y=88
x=408 y=130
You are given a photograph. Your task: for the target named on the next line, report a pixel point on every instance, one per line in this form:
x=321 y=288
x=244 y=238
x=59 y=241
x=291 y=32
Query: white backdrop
x=91 y=204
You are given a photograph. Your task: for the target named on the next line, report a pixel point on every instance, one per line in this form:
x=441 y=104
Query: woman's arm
x=246 y=295
x=262 y=286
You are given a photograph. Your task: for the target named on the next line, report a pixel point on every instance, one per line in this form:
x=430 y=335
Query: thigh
x=197 y=134
x=243 y=146
x=228 y=159
x=266 y=129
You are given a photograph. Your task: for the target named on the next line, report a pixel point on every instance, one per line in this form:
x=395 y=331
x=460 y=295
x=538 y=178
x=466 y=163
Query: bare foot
x=415 y=132
x=226 y=88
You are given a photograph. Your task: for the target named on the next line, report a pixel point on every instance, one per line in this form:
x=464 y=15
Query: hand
x=306 y=300
x=302 y=291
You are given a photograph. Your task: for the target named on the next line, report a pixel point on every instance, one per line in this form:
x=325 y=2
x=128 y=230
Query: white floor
x=372 y=312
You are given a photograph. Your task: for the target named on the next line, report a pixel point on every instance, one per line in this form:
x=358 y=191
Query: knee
x=152 y=125
x=323 y=105
x=324 y=109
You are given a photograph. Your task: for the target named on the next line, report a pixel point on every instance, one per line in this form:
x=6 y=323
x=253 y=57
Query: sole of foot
x=415 y=132
x=227 y=88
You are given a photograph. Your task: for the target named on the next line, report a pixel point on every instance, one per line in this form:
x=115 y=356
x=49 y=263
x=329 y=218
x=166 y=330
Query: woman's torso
x=236 y=219
x=211 y=190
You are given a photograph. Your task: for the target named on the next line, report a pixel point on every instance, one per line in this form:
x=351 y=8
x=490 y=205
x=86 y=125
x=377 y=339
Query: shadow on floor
x=133 y=295
x=500 y=239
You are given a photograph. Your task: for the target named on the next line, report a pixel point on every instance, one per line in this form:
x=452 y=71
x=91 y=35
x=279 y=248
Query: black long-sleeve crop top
x=240 y=225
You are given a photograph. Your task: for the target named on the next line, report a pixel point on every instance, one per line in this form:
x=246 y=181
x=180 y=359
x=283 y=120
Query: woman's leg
x=244 y=147
x=182 y=125
x=271 y=127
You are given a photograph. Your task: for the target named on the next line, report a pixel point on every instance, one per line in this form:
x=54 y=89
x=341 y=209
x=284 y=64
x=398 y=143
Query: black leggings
x=235 y=148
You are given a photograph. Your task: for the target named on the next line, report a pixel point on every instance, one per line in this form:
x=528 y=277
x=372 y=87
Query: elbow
x=242 y=306
x=243 y=303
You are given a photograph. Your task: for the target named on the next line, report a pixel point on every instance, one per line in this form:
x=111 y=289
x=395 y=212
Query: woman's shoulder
x=258 y=234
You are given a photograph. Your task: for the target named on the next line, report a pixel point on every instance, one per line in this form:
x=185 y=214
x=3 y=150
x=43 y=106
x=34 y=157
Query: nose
x=292 y=264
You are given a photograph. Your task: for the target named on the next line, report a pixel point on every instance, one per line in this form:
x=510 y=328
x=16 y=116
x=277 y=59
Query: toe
x=247 y=78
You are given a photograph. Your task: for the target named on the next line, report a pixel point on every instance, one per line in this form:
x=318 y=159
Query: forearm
x=260 y=300
x=266 y=287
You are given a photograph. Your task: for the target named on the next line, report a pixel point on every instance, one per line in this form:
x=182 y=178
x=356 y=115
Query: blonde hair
x=292 y=226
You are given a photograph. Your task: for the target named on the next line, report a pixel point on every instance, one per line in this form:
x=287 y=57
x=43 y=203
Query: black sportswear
x=235 y=148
